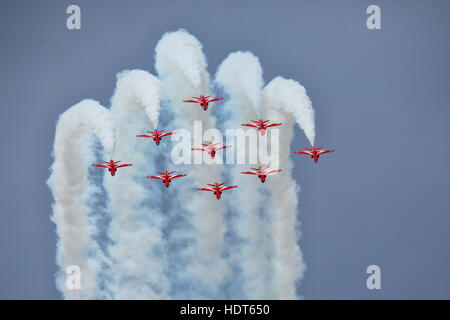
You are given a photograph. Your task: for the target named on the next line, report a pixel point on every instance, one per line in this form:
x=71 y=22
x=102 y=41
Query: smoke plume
x=181 y=66
x=72 y=190
x=136 y=261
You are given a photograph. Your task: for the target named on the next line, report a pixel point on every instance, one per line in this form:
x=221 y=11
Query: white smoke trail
x=240 y=76
x=71 y=190
x=181 y=66
x=286 y=101
x=137 y=267
x=290 y=96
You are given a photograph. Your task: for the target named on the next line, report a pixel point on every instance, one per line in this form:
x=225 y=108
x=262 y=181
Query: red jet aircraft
x=217 y=189
x=167 y=177
x=112 y=166
x=314 y=152
x=262 y=125
x=204 y=101
x=261 y=172
x=155 y=135
x=211 y=148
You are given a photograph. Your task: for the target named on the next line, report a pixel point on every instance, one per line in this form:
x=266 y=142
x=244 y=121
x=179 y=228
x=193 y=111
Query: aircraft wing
x=155 y=177
x=198 y=149
x=273 y=125
x=227 y=188
x=222 y=147
x=124 y=165
x=191 y=101
x=303 y=152
x=272 y=171
x=249 y=172
x=99 y=165
x=144 y=136
x=249 y=125
x=166 y=134
x=205 y=189
x=325 y=151
x=178 y=176
x=215 y=99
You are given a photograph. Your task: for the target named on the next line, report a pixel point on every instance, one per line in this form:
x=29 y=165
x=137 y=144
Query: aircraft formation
x=211 y=148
